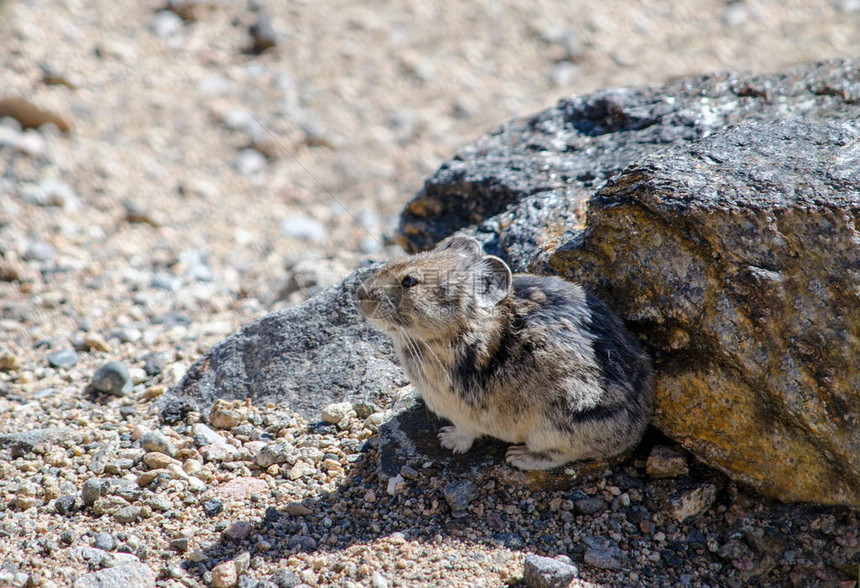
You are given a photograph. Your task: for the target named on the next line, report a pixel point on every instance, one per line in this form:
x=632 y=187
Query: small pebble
x=409 y=472
x=605 y=559
x=691 y=503
x=135 y=214
x=377 y=580
x=203 y=435
x=65 y=505
x=180 y=544
x=63 y=358
x=285 y=578
x=105 y=541
x=159 y=503
x=243 y=562
x=95 y=342
x=39 y=252
x=158 y=460
x=263 y=34
x=220 y=452
x=90 y=491
x=9 y=361
x=238 y=530
x=127 y=412
x=394 y=485
x=127 y=514
x=249 y=161
x=165 y=24
x=460 y=493
x=225 y=575
x=113 y=378
x=545 y=572
x=165 y=282
x=154 y=363
x=334 y=413
x=302 y=543
x=131 y=574
x=192 y=466
x=666 y=462
x=590 y=505
x=275 y=453
x=297 y=509
x=303 y=227
x=222 y=417
x=157 y=441
x=212 y=507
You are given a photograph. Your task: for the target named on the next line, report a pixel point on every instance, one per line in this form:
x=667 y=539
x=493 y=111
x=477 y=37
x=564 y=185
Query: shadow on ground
x=609 y=519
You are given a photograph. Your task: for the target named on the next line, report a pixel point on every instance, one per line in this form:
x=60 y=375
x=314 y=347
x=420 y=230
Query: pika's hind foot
x=524 y=458
x=456 y=439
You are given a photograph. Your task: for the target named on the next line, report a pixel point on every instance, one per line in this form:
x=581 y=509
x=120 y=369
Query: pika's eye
x=408 y=282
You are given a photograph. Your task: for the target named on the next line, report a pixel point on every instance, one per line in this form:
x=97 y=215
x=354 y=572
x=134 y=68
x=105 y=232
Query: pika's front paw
x=456 y=439
x=524 y=458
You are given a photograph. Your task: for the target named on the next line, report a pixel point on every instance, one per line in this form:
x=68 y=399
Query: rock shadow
x=477 y=499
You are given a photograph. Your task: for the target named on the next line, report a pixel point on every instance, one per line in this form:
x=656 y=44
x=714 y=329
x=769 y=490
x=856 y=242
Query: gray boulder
x=308 y=356
x=523 y=188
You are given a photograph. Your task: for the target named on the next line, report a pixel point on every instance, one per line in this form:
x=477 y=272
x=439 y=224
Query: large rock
x=738 y=258
x=522 y=189
x=308 y=356
x=733 y=251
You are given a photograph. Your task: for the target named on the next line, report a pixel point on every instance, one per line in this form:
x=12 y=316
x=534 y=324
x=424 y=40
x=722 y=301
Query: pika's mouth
x=375 y=304
x=375 y=309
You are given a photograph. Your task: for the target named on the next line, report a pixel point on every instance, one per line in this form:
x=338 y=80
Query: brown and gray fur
x=534 y=361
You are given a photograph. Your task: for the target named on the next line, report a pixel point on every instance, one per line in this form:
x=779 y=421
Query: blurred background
x=239 y=155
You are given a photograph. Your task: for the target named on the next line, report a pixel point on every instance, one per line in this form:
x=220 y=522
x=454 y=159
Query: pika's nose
x=367 y=290
x=367 y=303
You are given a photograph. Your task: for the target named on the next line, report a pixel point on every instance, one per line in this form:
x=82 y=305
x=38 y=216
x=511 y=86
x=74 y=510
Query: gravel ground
x=234 y=160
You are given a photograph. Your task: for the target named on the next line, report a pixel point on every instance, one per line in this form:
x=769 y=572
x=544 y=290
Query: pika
x=534 y=361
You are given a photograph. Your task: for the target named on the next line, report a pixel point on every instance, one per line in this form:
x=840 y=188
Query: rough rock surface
x=524 y=186
x=739 y=257
x=733 y=250
x=308 y=356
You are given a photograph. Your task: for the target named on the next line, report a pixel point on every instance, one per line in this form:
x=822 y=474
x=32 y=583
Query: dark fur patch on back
x=619 y=356
x=511 y=356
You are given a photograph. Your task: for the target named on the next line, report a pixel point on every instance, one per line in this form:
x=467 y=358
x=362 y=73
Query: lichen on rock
x=746 y=242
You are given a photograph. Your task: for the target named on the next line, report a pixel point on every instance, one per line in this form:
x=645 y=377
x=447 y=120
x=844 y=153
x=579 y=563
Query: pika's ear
x=492 y=281
x=466 y=245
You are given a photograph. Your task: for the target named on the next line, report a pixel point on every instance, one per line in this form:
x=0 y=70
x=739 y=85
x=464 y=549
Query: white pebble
x=394 y=484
